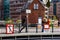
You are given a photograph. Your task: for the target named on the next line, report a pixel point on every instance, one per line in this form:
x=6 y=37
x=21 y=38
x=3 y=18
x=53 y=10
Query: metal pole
x=20 y=24
x=52 y=28
x=42 y=27
x=41 y=37
x=52 y=36
x=36 y=29
x=27 y=23
x=15 y=38
x=52 y=24
x=19 y=27
x=1 y=38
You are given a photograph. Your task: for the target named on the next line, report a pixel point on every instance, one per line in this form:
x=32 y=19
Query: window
x=35 y=6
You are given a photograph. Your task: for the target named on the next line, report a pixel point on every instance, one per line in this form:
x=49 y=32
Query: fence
x=31 y=29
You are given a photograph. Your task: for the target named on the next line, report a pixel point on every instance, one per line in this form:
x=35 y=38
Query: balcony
x=14 y=12
x=15 y=15
x=12 y=16
x=16 y=7
x=19 y=3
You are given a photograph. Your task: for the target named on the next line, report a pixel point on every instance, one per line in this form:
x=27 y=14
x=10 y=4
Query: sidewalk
x=31 y=30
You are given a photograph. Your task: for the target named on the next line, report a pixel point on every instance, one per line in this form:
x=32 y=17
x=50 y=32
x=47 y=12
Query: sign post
x=9 y=28
x=27 y=12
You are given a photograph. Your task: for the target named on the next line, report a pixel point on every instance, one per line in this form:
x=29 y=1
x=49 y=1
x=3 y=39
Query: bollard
x=52 y=28
x=42 y=28
x=36 y=29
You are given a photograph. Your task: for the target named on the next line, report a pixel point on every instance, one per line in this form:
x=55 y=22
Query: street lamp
x=27 y=12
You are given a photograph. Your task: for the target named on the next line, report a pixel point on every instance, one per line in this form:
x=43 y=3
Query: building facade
x=6 y=7
x=51 y=11
x=11 y=8
x=55 y=0
x=37 y=10
x=55 y=8
x=1 y=10
x=58 y=10
x=18 y=7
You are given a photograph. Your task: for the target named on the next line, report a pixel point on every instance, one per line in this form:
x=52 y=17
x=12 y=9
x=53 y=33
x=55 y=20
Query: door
x=40 y=20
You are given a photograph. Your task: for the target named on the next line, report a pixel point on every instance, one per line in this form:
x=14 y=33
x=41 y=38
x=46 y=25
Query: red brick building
x=37 y=10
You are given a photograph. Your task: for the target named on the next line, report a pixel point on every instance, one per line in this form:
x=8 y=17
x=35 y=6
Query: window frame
x=36 y=6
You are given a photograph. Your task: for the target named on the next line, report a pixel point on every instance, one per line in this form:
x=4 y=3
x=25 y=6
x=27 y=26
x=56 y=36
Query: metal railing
x=32 y=28
x=38 y=37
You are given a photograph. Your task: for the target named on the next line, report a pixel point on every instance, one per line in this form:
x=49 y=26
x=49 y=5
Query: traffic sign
x=9 y=28
x=46 y=26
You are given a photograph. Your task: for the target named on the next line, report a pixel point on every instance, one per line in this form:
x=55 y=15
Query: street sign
x=9 y=28
x=46 y=26
x=28 y=11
